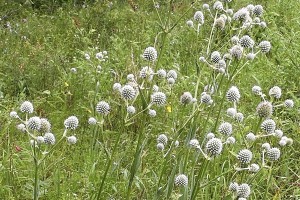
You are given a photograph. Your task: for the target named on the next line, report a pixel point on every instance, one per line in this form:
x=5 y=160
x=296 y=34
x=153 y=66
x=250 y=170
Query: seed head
x=130 y=77
x=235 y=39
x=242 y=14
x=194 y=143
x=150 y=54
x=171 y=81
x=103 y=108
x=225 y=128
x=71 y=123
x=273 y=154
x=159 y=98
x=231 y=112
x=214 y=146
x=215 y=56
x=72 y=139
x=21 y=127
x=278 y=133
x=289 y=103
x=230 y=140
x=239 y=117
x=220 y=23
x=233 y=94
x=146 y=72
x=152 y=113
x=161 y=73
x=92 y=121
x=233 y=187
x=27 y=107
x=128 y=92
x=246 y=41
x=244 y=156
x=264 y=46
x=160 y=146
x=254 y=168
x=190 y=23
x=268 y=125
x=218 y=5
x=172 y=74
x=162 y=138
x=49 y=138
x=258 y=10
x=236 y=51
x=275 y=92
x=264 y=109
x=243 y=190
x=199 y=17
x=40 y=140
x=210 y=136
x=117 y=87
x=186 y=98
x=266 y=146
x=34 y=123
x=45 y=126
x=130 y=110
x=251 y=137
x=205 y=98
x=13 y=114
x=256 y=90
x=250 y=56
x=181 y=180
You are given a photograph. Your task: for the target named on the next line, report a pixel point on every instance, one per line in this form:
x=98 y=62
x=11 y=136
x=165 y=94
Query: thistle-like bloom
x=258 y=10
x=289 y=103
x=205 y=98
x=194 y=143
x=92 y=121
x=242 y=14
x=256 y=90
x=199 y=17
x=215 y=57
x=49 y=138
x=214 y=146
x=244 y=156
x=251 y=137
x=181 y=180
x=246 y=41
x=103 y=108
x=266 y=146
x=13 y=114
x=45 y=126
x=235 y=39
x=128 y=92
x=71 y=122
x=265 y=46
x=72 y=139
x=273 y=154
x=233 y=186
x=160 y=146
x=161 y=73
x=130 y=77
x=130 y=110
x=268 y=125
x=190 y=23
x=218 y=5
x=239 y=117
x=254 y=168
x=275 y=92
x=233 y=94
x=152 y=113
x=225 y=128
x=250 y=56
x=150 y=54
x=27 y=107
x=220 y=23
x=117 y=87
x=171 y=81
x=21 y=127
x=236 y=51
x=230 y=140
x=34 y=123
x=40 y=140
x=210 y=136
x=146 y=72
x=158 y=98
x=278 y=133
x=172 y=74
x=186 y=98
x=231 y=112
x=162 y=138
x=264 y=109
x=243 y=190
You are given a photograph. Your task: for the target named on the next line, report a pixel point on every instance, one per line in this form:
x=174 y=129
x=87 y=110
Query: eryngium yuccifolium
x=13 y=114
x=282 y=142
x=264 y=109
x=49 y=138
x=241 y=15
x=155 y=88
x=275 y=92
x=289 y=103
x=214 y=146
x=171 y=81
x=264 y=46
x=251 y=137
x=162 y=138
x=40 y=140
x=27 y=107
x=221 y=64
x=250 y=56
x=233 y=186
x=72 y=139
x=186 y=98
x=103 y=107
x=243 y=190
x=254 y=168
x=239 y=117
x=146 y=72
x=190 y=23
x=218 y=5
x=235 y=39
x=225 y=128
x=220 y=23
x=205 y=98
x=278 y=133
x=45 y=126
x=236 y=51
x=71 y=122
x=172 y=74
x=246 y=41
x=233 y=94
x=150 y=54
x=266 y=146
x=244 y=156
x=128 y=92
x=256 y=90
x=194 y=143
x=202 y=59
x=152 y=113
x=258 y=10
x=160 y=146
x=130 y=110
x=231 y=112
x=263 y=24
x=199 y=17
x=130 y=77
x=117 y=87
x=158 y=98
x=215 y=57
x=273 y=154
x=210 y=136
x=161 y=73
x=268 y=125
x=181 y=180
x=205 y=6
x=34 y=123
x=92 y=121
x=230 y=140
x=21 y=127
x=250 y=7
x=229 y=11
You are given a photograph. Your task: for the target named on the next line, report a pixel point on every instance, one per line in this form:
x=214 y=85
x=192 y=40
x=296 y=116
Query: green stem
x=268 y=182
x=36 y=167
x=198 y=178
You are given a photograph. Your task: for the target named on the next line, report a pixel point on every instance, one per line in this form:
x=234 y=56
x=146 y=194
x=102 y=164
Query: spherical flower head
x=220 y=23
x=202 y=59
x=71 y=123
x=233 y=94
x=40 y=140
x=256 y=20
x=210 y=136
x=235 y=39
x=282 y=142
x=171 y=81
x=258 y=10
x=186 y=98
x=242 y=14
x=26 y=107
x=130 y=110
x=246 y=41
x=181 y=180
x=117 y=87
x=21 y=127
x=254 y=168
x=256 y=90
x=265 y=46
x=250 y=56
x=251 y=137
x=34 y=123
x=205 y=6
x=215 y=56
x=233 y=186
x=199 y=17
x=161 y=73
x=273 y=154
x=152 y=113
x=103 y=108
x=214 y=146
x=150 y=54
x=45 y=126
x=49 y=138
x=221 y=65
x=128 y=92
x=72 y=139
x=205 y=98
x=264 y=109
x=172 y=74
x=160 y=146
x=230 y=140
x=225 y=128
x=130 y=77
x=162 y=138
x=176 y=144
x=266 y=146
x=263 y=24
x=275 y=92
x=218 y=6
x=250 y=7
x=158 y=98
x=190 y=23
x=92 y=121
x=13 y=114
x=278 y=133
x=236 y=52
x=289 y=141
x=194 y=143
x=229 y=11
x=231 y=112
x=146 y=72
x=243 y=190
x=289 y=103
x=239 y=117
x=268 y=125
x=244 y=156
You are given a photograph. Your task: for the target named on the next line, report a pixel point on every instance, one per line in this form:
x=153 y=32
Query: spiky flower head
x=130 y=77
x=243 y=190
x=250 y=56
x=72 y=139
x=278 y=133
x=220 y=23
x=221 y=65
x=71 y=122
x=199 y=17
x=128 y=92
x=246 y=41
x=21 y=127
x=158 y=98
x=205 y=6
x=215 y=57
x=150 y=54
x=244 y=156
x=256 y=90
x=218 y=5
x=194 y=143
x=251 y=137
x=171 y=81
x=34 y=123
x=258 y=10
x=130 y=110
x=264 y=109
x=172 y=74
x=275 y=92
x=225 y=128
x=236 y=51
x=231 y=112
x=152 y=113
x=235 y=39
x=268 y=125
x=186 y=98
x=49 y=138
x=92 y=121
x=250 y=7
x=117 y=87
x=205 y=98
x=233 y=94
x=233 y=186
x=265 y=46
x=214 y=146
x=239 y=117
x=241 y=15
x=282 y=142
x=210 y=136
x=190 y=23
x=289 y=103
x=254 y=168
x=160 y=146
x=181 y=180
x=263 y=24
x=27 y=107
x=161 y=73
x=45 y=126
x=162 y=138
x=273 y=154
x=229 y=11
x=13 y=114
x=230 y=140
x=103 y=108
x=146 y=72
x=266 y=146
x=40 y=139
